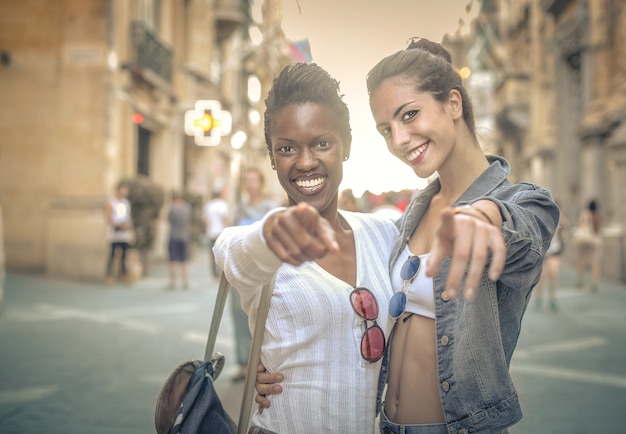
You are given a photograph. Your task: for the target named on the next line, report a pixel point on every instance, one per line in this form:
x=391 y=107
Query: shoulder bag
x=188 y=402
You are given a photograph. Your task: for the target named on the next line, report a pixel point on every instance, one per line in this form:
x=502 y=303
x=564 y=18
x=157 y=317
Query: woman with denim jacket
x=470 y=251
x=446 y=369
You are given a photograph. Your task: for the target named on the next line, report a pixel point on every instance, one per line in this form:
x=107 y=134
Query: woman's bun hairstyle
x=430 y=47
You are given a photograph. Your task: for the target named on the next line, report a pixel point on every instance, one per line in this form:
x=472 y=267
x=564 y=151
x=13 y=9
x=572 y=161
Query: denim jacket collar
x=490 y=179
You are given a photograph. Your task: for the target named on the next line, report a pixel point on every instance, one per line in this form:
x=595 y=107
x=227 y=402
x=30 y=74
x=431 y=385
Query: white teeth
x=309 y=183
x=413 y=155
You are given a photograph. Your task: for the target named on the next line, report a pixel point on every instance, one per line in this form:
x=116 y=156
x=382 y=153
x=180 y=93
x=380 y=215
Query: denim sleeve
x=529 y=219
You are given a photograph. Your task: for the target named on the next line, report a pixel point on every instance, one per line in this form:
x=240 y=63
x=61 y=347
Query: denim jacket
x=476 y=339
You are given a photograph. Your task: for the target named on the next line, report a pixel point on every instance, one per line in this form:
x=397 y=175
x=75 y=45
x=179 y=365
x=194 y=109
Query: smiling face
x=308 y=154
x=417 y=128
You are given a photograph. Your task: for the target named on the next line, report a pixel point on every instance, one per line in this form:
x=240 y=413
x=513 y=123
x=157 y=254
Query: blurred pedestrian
x=119 y=232
x=589 y=245
x=404 y=199
x=387 y=208
x=254 y=205
x=347 y=200
x=216 y=217
x=179 y=218
x=551 y=267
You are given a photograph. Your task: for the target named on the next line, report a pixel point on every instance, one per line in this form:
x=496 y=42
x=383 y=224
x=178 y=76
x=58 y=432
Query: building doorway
x=143 y=150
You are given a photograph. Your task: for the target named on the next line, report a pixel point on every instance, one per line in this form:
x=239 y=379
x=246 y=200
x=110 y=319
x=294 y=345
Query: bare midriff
x=413 y=390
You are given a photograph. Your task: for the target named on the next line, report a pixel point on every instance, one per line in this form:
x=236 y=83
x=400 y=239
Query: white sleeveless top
x=419 y=298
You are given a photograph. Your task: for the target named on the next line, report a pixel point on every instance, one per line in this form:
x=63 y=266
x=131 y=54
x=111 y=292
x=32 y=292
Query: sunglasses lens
x=397 y=304
x=373 y=344
x=410 y=268
x=364 y=303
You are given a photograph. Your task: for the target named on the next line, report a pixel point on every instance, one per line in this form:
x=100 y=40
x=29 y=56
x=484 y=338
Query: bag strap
x=218 y=310
x=255 y=355
x=255 y=349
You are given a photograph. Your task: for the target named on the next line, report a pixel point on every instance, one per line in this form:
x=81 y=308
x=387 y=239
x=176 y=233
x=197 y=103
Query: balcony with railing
x=151 y=58
x=512 y=103
x=229 y=15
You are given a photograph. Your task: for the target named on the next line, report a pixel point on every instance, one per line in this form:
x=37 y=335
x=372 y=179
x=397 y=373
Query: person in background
x=119 y=232
x=551 y=267
x=387 y=208
x=589 y=251
x=253 y=207
x=216 y=217
x=179 y=218
x=254 y=204
x=404 y=199
x=470 y=251
x=347 y=200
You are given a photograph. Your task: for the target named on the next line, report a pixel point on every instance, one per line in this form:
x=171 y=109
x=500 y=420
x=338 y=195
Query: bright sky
x=348 y=37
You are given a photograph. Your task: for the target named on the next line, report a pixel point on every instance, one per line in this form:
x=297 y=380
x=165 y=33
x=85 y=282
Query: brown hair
x=427 y=65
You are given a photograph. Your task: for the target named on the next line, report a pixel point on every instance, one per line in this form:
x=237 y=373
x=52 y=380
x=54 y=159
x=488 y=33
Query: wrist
x=475 y=212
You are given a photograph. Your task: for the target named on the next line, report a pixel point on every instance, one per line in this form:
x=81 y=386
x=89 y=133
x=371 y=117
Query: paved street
x=82 y=358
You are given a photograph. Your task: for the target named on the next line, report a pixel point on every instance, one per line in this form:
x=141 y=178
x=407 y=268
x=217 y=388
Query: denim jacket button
x=445 y=386
x=444 y=340
x=463 y=431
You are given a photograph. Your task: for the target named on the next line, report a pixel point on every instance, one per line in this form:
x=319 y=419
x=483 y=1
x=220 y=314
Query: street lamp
x=254 y=116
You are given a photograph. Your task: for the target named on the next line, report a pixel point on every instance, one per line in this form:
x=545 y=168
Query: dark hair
x=427 y=65
x=300 y=83
x=592 y=205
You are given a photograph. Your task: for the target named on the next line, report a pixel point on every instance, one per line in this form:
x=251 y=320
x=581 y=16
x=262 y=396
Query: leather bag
x=188 y=402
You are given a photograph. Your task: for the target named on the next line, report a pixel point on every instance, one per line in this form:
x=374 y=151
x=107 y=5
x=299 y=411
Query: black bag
x=188 y=402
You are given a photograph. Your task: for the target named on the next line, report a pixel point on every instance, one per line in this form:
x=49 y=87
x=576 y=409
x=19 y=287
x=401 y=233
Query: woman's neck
x=333 y=217
x=463 y=166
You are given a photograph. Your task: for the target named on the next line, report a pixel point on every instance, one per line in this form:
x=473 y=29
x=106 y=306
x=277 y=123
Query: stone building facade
x=94 y=91
x=558 y=69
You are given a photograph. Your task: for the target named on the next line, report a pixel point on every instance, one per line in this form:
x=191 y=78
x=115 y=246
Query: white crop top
x=419 y=298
